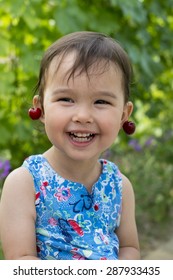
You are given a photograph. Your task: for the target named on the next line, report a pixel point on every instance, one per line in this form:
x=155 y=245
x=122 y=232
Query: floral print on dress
x=71 y=223
x=63 y=194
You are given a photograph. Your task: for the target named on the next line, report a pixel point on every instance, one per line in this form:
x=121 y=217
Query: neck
x=84 y=172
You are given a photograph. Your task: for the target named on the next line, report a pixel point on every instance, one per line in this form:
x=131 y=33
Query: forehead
x=61 y=63
x=100 y=78
x=65 y=67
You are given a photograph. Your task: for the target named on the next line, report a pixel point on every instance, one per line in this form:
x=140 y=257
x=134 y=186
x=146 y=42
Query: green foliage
x=151 y=176
x=144 y=28
x=1 y=254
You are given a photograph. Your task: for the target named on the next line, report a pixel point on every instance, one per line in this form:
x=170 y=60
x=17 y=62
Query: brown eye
x=65 y=99
x=102 y=102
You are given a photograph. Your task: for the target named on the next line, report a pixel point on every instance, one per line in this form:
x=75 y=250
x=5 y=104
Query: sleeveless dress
x=71 y=223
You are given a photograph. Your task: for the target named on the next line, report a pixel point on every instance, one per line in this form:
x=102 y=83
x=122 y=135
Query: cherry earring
x=129 y=127
x=34 y=113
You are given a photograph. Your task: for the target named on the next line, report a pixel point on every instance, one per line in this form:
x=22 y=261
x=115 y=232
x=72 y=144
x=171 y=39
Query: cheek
x=111 y=127
x=111 y=122
x=110 y=130
x=55 y=121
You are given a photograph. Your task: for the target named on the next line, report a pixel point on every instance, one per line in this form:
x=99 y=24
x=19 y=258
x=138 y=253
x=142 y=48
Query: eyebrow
x=61 y=90
x=107 y=94
x=103 y=93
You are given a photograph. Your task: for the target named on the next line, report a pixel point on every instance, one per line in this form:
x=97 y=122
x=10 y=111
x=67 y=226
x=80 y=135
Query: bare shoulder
x=127 y=231
x=19 y=179
x=19 y=174
x=128 y=197
x=127 y=186
x=17 y=215
x=18 y=189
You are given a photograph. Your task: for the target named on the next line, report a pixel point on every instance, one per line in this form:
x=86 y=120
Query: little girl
x=67 y=203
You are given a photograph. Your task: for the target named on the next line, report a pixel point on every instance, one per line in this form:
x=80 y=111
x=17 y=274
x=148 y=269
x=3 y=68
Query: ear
x=128 y=109
x=37 y=104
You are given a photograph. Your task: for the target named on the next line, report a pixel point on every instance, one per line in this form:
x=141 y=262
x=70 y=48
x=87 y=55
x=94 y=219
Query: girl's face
x=83 y=116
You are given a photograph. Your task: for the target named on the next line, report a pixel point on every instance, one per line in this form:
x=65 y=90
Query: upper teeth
x=79 y=134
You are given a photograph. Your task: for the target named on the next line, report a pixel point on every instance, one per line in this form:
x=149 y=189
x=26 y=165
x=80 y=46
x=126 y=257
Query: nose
x=82 y=115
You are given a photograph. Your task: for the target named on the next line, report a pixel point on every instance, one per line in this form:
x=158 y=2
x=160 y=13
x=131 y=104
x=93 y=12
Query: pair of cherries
x=128 y=126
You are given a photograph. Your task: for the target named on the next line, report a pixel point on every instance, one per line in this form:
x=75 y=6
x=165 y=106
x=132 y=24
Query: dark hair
x=91 y=48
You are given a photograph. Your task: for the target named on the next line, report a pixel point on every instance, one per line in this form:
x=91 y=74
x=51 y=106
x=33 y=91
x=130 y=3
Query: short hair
x=90 y=48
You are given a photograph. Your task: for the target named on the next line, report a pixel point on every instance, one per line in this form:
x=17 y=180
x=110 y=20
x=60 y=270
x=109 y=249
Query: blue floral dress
x=72 y=223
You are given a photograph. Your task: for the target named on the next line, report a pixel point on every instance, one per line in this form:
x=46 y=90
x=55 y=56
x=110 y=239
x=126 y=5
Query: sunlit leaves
x=28 y=27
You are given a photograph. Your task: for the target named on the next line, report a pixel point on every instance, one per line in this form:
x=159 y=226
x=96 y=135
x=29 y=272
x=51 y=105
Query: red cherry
x=34 y=113
x=129 y=127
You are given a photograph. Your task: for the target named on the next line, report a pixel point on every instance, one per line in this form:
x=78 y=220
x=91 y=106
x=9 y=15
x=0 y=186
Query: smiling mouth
x=81 y=137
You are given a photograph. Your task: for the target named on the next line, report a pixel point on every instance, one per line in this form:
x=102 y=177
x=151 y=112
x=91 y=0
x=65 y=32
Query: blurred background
x=145 y=29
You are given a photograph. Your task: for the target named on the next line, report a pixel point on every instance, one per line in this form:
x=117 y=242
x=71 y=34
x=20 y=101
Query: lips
x=81 y=137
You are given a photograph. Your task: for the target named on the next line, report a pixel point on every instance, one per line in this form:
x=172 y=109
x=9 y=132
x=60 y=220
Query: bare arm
x=17 y=216
x=127 y=232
